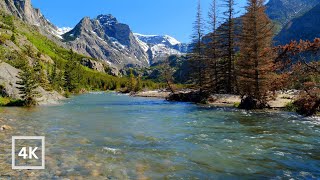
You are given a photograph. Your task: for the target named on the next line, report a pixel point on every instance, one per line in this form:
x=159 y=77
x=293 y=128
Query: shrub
x=307 y=105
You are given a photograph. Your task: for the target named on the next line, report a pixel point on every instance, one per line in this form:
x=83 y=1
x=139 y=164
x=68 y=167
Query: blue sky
x=171 y=17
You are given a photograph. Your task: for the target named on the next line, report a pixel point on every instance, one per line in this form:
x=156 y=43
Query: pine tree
x=41 y=76
x=70 y=76
x=197 y=57
x=28 y=85
x=227 y=45
x=256 y=55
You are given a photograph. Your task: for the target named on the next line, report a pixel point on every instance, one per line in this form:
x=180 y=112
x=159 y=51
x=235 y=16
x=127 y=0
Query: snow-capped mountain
x=107 y=39
x=160 y=47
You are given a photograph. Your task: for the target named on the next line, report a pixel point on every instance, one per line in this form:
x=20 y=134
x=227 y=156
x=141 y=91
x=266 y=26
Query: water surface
x=120 y=137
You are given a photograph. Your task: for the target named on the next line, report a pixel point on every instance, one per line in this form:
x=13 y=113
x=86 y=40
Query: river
x=114 y=136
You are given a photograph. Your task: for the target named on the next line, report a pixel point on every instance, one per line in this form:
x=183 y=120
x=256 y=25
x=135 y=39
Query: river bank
x=280 y=101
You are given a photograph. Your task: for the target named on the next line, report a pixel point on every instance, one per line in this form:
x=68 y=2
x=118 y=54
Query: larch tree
x=167 y=73
x=300 y=60
x=212 y=50
x=255 y=65
x=227 y=45
x=197 y=57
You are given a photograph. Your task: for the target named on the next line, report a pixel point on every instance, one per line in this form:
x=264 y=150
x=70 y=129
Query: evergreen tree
x=70 y=76
x=28 y=85
x=197 y=57
x=256 y=55
x=41 y=76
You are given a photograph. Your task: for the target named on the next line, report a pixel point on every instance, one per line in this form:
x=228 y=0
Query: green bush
x=291 y=107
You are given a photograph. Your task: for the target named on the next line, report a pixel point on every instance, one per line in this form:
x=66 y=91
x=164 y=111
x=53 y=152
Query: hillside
x=106 y=39
x=305 y=27
x=282 y=11
x=50 y=63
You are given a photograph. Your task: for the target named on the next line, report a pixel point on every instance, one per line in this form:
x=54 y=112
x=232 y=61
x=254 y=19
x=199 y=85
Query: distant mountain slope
x=306 y=27
x=282 y=11
x=23 y=10
x=160 y=47
x=107 y=39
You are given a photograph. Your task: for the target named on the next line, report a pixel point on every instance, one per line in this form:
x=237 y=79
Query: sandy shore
x=155 y=93
x=228 y=100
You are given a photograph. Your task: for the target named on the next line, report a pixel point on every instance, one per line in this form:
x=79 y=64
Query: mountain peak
x=107 y=19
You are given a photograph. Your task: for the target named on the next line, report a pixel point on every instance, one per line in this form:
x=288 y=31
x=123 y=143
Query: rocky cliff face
x=8 y=78
x=106 y=39
x=23 y=10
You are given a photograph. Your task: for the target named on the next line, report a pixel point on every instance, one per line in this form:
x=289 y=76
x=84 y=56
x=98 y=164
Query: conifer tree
x=227 y=45
x=197 y=57
x=212 y=50
x=28 y=85
x=256 y=56
x=167 y=74
x=41 y=76
x=70 y=76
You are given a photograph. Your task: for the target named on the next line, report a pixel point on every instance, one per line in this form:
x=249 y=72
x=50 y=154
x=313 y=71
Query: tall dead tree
x=212 y=50
x=197 y=58
x=227 y=45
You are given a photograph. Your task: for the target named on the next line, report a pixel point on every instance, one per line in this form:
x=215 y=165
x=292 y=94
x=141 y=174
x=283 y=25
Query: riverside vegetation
x=235 y=57
x=44 y=63
x=240 y=58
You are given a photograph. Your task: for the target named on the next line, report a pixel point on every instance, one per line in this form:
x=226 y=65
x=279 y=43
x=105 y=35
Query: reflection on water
x=120 y=137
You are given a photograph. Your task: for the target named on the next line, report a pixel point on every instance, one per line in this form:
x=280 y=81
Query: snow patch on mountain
x=160 y=47
x=157 y=39
x=63 y=30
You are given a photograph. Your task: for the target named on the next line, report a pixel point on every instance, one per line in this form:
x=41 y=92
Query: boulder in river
x=188 y=96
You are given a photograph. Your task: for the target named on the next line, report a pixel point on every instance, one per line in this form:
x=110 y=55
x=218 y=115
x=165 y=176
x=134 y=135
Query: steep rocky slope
x=9 y=78
x=305 y=27
x=282 y=11
x=107 y=39
x=23 y=10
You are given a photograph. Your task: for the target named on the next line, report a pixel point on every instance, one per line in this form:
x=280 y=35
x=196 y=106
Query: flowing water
x=113 y=136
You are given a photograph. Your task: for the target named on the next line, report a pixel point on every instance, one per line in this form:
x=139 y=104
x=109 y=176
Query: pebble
x=5 y=127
